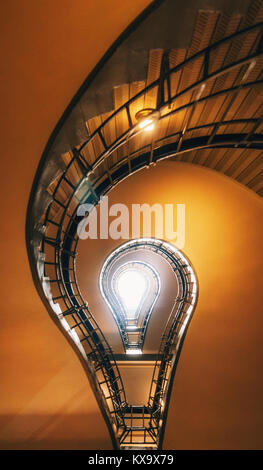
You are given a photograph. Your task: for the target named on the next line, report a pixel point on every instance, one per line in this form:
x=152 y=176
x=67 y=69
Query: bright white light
x=194 y=289
x=146 y=124
x=150 y=127
x=189 y=310
x=131 y=286
x=133 y=351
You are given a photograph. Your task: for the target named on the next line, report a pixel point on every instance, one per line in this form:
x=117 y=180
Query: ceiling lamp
x=147 y=118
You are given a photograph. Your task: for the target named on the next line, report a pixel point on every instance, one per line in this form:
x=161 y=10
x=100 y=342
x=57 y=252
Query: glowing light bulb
x=147 y=118
x=131 y=286
x=133 y=352
x=146 y=124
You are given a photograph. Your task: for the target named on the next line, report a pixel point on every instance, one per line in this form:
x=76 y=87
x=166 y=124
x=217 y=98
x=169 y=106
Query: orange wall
x=47 y=49
x=217 y=397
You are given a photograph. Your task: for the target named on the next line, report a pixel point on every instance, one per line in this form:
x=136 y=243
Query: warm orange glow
x=46 y=401
x=146 y=124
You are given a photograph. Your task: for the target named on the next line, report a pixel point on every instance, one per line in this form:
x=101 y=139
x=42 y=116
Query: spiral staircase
x=206 y=101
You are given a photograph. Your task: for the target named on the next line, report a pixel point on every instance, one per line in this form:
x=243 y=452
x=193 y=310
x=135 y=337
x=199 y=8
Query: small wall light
x=147 y=118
